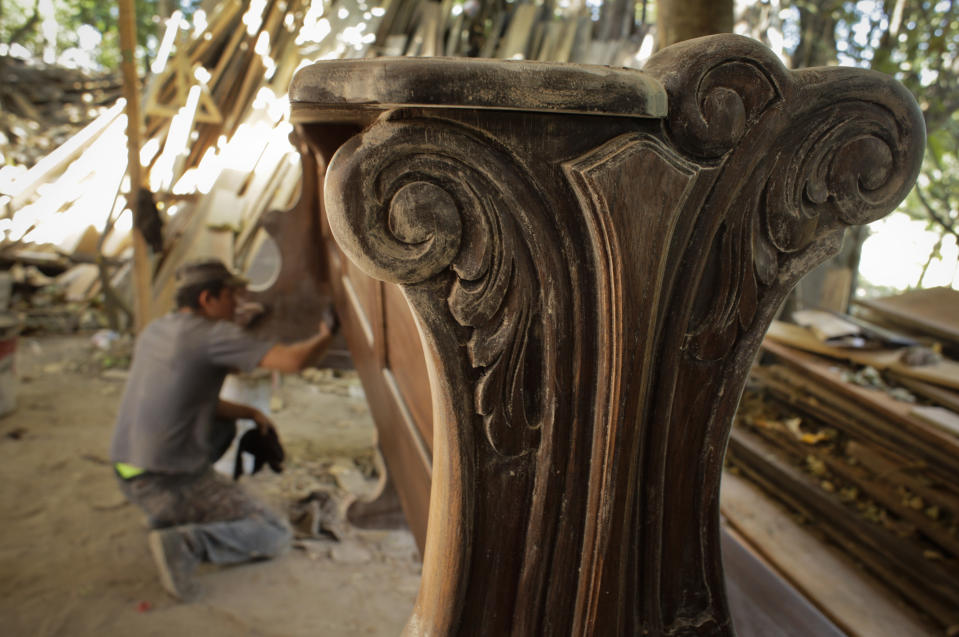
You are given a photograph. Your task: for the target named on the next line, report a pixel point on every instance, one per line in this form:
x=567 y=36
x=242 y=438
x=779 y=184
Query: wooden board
x=894 y=423
x=939 y=417
x=940 y=395
x=360 y=304
x=934 y=311
x=762 y=603
x=825 y=325
x=854 y=600
x=944 y=373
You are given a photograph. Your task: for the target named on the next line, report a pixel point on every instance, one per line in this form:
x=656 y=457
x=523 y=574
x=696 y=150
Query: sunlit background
x=901 y=251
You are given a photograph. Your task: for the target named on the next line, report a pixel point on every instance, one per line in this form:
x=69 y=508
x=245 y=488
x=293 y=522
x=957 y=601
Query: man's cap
x=203 y=271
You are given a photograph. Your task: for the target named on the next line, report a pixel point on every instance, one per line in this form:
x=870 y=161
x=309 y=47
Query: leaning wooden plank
x=427 y=39
x=933 y=310
x=195 y=240
x=516 y=41
x=265 y=176
x=253 y=77
x=926 y=584
x=552 y=40
x=226 y=57
x=944 y=373
x=853 y=600
x=159 y=74
x=493 y=35
x=170 y=163
x=217 y=30
x=939 y=417
x=825 y=325
x=41 y=172
x=392 y=10
x=94 y=205
x=581 y=39
x=456 y=37
x=39 y=221
x=567 y=40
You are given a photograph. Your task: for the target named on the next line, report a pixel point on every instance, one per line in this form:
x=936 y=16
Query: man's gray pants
x=221 y=522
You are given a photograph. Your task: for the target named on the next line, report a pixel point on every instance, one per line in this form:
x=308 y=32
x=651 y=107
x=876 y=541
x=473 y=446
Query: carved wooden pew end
x=579 y=265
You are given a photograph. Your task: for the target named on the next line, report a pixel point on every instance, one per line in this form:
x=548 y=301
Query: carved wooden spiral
x=436 y=197
x=819 y=150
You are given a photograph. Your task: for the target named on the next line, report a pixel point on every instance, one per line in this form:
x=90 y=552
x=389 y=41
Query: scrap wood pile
x=42 y=105
x=215 y=150
x=853 y=424
x=216 y=156
x=518 y=30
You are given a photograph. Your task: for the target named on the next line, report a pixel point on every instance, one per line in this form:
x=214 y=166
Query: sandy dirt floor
x=73 y=555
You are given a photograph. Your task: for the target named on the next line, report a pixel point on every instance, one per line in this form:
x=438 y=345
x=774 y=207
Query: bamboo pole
x=131 y=89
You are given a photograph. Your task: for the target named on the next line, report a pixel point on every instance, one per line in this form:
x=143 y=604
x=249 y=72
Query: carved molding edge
x=450 y=214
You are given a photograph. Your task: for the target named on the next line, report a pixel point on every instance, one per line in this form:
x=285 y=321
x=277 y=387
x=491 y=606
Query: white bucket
x=8 y=376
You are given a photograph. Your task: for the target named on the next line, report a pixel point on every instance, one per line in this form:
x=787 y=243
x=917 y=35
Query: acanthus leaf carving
x=419 y=199
x=845 y=147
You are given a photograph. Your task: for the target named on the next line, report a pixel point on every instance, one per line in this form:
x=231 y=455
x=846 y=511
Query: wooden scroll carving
x=591 y=288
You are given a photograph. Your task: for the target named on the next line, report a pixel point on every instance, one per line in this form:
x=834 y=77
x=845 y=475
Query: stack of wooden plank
x=864 y=444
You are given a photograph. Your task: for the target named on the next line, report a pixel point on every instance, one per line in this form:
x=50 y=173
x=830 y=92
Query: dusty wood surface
x=590 y=291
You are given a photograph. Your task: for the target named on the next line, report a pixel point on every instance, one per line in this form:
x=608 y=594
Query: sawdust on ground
x=74 y=557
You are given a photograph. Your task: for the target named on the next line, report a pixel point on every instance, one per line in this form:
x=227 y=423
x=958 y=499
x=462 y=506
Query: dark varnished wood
x=590 y=284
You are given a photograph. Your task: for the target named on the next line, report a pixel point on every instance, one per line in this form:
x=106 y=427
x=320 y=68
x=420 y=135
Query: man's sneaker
x=175 y=562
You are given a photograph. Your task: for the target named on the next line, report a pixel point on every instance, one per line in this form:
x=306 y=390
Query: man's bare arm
x=234 y=411
x=292 y=357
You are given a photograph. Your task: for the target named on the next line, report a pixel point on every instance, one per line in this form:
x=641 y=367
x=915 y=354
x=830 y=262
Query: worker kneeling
x=172 y=426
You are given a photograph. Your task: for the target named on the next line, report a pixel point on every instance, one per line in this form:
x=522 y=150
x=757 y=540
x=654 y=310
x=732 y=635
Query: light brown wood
x=142 y=268
x=940 y=395
x=943 y=419
x=855 y=601
x=934 y=311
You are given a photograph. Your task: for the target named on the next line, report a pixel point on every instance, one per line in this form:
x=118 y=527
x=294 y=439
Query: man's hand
x=263 y=422
x=235 y=411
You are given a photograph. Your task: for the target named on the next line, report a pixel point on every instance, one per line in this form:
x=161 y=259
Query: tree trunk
x=678 y=20
x=616 y=19
x=817 y=34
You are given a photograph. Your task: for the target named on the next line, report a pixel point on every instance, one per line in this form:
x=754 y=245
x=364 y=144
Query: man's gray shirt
x=168 y=406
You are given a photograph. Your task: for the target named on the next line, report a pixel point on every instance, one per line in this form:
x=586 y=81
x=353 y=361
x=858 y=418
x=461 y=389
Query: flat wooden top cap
x=381 y=83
